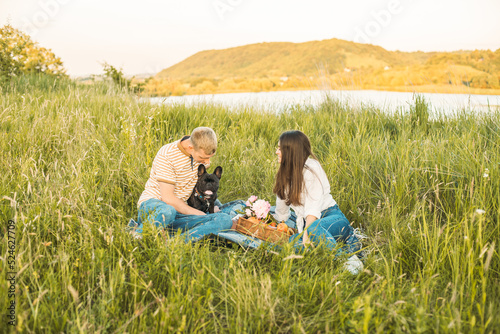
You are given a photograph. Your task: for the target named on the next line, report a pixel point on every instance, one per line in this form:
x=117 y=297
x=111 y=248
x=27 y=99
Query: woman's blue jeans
x=331 y=228
x=193 y=227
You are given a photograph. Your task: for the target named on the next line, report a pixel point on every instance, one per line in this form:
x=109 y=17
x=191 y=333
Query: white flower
x=480 y=211
x=100 y=199
x=486 y=172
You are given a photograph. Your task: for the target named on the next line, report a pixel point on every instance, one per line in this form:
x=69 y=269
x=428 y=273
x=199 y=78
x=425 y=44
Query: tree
x=117 y=77
x=20 y=55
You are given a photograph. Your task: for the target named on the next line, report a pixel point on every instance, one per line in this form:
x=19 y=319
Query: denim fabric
x=332 y=227
x=243 y=240
x=230 y=208
x=194 y=227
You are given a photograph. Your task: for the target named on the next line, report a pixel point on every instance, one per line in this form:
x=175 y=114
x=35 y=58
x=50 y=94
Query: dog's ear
x=218 y=172
x=201 y=170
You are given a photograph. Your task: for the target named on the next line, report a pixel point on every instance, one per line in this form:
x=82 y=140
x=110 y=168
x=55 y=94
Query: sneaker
x=361 y=252
x=136 y=235
x=131 y=227
x=353 y=265
x=359 y=234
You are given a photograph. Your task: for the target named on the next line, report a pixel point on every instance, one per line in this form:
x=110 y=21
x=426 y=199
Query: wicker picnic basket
x=262 y=231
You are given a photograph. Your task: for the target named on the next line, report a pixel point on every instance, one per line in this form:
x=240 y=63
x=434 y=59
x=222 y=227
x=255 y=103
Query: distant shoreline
x=416 y=89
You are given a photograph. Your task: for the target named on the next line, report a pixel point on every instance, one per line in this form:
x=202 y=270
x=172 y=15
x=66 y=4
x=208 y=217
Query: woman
x=302 y=184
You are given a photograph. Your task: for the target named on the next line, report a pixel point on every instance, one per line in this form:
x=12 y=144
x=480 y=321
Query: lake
x=386 y=101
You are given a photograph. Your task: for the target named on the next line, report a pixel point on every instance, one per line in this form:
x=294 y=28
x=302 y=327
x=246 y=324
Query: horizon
x=237 y=46
x=156 y=35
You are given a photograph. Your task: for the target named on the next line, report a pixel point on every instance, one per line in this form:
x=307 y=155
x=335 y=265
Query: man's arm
x=167 y=196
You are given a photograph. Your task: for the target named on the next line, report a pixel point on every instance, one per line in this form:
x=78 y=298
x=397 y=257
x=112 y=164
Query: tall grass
x=75 y=160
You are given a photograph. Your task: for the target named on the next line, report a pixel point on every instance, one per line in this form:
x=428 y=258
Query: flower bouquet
x=258 y=222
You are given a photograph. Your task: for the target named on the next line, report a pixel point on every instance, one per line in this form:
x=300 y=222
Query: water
x=385 y=101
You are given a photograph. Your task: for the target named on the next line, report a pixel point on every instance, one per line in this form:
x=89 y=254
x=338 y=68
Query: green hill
x=289 y=59
x=328 y=64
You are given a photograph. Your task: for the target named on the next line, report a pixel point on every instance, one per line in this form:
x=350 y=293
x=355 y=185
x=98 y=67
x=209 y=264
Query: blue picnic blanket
x=241 y=239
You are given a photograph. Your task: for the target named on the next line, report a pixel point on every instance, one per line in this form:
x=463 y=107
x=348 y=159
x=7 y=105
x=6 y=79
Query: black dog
x=205 y=192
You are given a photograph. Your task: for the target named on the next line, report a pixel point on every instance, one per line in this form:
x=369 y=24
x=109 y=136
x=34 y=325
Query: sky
x=150 y=35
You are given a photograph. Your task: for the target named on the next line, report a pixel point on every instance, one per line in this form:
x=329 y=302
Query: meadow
x=75 y=158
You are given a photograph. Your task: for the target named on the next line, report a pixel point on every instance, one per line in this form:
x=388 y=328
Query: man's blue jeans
x=194 y=227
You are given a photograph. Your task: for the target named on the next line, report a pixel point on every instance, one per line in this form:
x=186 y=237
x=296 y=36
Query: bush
x=20 y=55
x=118 y=78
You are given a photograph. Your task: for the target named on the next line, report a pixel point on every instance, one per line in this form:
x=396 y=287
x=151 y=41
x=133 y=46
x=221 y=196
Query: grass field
x=74 y=163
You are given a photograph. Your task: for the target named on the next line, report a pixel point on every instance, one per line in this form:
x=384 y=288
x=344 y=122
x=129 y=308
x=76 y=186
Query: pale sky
x=150 y=35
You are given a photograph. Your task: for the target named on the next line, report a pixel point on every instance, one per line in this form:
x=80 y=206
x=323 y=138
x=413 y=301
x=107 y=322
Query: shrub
x=118 y=78
x=20 y=55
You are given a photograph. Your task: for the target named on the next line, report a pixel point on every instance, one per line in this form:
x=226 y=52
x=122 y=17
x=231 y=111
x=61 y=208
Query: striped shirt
x=172 y=165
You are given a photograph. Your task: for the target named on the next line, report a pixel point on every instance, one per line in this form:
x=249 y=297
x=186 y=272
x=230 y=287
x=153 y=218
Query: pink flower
x=252 y=199
x=261 y=208
x=248 y=212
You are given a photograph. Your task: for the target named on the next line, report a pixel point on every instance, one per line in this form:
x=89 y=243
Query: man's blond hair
x=204 y=138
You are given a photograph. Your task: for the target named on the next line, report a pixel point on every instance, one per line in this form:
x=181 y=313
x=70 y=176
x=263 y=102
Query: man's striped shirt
x=173 y=165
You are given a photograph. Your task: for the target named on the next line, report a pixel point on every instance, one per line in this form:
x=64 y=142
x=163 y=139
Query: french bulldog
x=205 y=191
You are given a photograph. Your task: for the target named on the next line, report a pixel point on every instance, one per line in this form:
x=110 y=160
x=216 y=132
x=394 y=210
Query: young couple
x=301 y=184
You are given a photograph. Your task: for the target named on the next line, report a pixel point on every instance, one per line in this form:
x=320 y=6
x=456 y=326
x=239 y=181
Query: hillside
x=328 y=64
x=289 y=59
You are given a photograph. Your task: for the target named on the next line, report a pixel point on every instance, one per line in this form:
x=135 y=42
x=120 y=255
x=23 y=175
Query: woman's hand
x=305 y=240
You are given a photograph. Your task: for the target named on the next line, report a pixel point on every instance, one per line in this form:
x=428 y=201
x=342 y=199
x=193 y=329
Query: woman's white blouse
x=315 y=196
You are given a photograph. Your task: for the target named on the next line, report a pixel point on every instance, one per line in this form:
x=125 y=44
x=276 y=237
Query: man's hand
x=167 y=196
x=216 y=209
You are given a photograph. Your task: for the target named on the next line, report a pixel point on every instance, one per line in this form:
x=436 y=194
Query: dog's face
x=208 y=184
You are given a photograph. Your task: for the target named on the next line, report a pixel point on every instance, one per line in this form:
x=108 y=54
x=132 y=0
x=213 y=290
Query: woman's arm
x=309 y=220
x=282 y=210
x=313 y=192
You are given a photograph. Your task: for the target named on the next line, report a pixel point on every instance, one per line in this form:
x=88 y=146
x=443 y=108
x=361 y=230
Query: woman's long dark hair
x=295 y=149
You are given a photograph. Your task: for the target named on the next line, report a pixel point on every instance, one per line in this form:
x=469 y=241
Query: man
x=174 y=174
